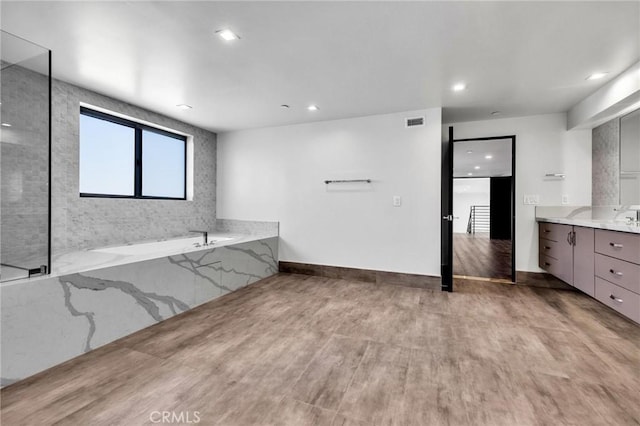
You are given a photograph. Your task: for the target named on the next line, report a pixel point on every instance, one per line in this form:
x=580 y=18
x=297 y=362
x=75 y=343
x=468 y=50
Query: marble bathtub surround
x=49 y=320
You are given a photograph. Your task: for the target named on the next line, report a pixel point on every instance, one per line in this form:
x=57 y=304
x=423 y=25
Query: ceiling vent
x=414 y=121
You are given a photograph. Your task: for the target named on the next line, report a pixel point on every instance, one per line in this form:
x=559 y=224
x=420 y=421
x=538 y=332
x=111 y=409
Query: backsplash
x=80 y=223
x=606 y=164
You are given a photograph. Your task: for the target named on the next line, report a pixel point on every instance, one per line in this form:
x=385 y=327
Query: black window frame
x=137 y=170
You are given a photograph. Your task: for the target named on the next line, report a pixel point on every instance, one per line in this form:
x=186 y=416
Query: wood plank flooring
x=475 y=255
x=304 y=350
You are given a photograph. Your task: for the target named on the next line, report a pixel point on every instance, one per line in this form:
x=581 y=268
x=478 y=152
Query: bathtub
x=94 y=297
x=167 y=247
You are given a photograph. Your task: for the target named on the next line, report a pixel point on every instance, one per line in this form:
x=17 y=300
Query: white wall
x=543 y=145
x=467 y=193
x=277 y=174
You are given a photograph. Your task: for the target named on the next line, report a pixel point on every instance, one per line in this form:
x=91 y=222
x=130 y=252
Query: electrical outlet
x=397 y=201
x=531 y=199
x=565 y=199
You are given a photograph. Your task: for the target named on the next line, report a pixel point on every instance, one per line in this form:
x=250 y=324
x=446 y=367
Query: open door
x=446 y=233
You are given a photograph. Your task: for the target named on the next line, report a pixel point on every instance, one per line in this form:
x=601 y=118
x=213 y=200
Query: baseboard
x=367 y=275
x=530 y=279
x=541 y=279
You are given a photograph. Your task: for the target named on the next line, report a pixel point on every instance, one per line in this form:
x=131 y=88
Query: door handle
x=448 y=217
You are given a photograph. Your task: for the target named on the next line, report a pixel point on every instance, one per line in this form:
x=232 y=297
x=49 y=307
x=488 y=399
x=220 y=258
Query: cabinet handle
x=547 y=248
x=616 y=245
x=618 y=273
x=546 y=231
x=569 y=237
x=615 y=299
x=547 y=264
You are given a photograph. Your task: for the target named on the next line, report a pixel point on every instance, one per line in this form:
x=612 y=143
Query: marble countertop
x=612 y=225
x=613 y=218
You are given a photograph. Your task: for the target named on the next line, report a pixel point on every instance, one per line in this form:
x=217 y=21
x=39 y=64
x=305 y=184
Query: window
x=124 y=159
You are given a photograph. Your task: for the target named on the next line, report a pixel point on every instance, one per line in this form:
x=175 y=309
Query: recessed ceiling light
x=184 y=106
x=459 y=87
x=284 y=106
x=313 y=108
x=469 y=152
x=469 y=174
x=227 y=35
x=477 y=167
x=496 y=113
x=6 y=125
x=488 y=156
x=597 y=75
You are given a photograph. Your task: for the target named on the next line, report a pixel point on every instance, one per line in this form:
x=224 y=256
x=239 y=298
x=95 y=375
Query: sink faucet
x=205 y=234
x=637 y=219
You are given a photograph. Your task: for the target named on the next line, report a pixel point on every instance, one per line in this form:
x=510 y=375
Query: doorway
x=478 y=206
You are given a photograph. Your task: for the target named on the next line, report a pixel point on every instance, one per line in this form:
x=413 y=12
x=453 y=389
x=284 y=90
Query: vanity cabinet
x=584 y=259
x=618 y=271
x=567 y=252
x=601 y=263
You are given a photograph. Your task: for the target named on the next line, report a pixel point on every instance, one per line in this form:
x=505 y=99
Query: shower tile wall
x=606 y=164
x=24 y=167
x=79 y=223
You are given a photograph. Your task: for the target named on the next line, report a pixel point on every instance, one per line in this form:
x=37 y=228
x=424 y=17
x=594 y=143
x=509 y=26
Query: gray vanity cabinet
x=556 y=250
x=601 y=263
x=567 y=252
x=584 y=259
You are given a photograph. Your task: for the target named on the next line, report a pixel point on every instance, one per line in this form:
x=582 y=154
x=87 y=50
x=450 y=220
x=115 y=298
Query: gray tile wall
x=80 y=223
x=24 y=167
x=606 y=164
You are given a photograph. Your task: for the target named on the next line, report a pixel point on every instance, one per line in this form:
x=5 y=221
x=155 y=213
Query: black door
x=446 y=209
x=500 y=208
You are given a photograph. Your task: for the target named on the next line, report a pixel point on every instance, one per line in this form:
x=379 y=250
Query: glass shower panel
x=25 y=93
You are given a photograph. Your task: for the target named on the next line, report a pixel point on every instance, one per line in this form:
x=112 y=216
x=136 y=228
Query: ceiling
x=469 y=155
x=349 y=58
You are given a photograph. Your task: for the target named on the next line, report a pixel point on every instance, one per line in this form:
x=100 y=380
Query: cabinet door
x=583 y=260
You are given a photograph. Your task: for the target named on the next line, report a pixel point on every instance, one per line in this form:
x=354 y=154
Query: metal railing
x=479 y=219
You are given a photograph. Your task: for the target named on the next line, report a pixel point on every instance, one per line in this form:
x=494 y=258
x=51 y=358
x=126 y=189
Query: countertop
x=611 y=225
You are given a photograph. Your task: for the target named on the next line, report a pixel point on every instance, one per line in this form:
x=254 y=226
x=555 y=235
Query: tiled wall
x=606 y=164
x=24 y=167
x=79 y=223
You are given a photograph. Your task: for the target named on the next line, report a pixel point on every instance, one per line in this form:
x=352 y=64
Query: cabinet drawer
x=553 y=231
x=624 y=274
x=618 y=298
x=621 y=245
x=562 y=269
x=556 y=249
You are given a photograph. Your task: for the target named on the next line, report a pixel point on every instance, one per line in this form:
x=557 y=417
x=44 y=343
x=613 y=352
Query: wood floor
x=475 y=255
x=303 y=350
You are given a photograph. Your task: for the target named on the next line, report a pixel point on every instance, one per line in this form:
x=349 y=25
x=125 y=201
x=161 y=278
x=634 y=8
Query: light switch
x=397 y=201
x=565 y=199
x=531 y=199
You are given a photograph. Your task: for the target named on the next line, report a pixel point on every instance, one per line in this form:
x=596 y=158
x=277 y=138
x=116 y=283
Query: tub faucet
x=205 y=234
